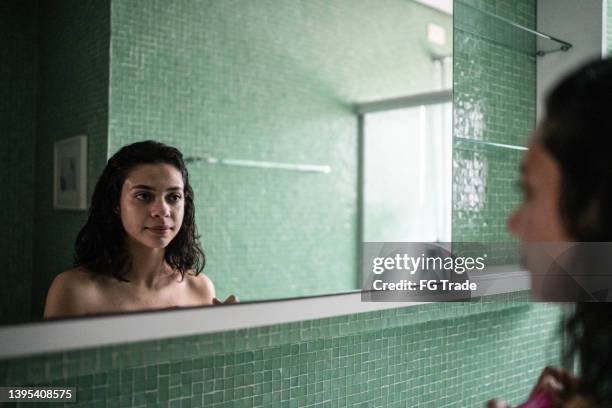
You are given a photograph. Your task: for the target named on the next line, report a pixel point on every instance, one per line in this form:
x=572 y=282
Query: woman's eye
x=175 y=198
x=143 y=196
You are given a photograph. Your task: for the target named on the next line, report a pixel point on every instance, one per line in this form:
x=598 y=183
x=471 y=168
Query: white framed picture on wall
x=70 y=173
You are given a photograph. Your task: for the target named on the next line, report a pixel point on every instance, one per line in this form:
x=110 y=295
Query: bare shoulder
x=69 y=293
x=200 y=286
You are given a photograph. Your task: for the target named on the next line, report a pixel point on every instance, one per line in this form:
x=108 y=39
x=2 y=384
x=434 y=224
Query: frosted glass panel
x=407 y=174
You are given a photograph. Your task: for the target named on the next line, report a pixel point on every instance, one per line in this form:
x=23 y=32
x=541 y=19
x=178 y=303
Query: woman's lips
x=159 y=230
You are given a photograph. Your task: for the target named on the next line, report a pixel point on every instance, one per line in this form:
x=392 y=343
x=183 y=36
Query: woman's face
x=152 y=204
x=538 y=217
x=537 y=222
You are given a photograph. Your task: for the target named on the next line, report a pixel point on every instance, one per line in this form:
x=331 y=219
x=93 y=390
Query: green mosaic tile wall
x=257 y=81
x=17 y=129
x=72 y=99
x=494 y=101
x=434 y=355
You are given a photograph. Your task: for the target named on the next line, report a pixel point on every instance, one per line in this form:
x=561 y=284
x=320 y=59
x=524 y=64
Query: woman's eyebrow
x=145 y=187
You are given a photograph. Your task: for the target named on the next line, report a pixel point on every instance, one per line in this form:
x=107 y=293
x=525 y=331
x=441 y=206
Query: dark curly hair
x=100 y=245
x=577 y=132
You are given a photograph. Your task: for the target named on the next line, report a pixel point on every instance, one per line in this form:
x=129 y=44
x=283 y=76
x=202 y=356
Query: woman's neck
x=148 y=265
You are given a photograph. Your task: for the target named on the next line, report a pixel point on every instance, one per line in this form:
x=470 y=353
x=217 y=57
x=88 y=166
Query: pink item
x=539 y=400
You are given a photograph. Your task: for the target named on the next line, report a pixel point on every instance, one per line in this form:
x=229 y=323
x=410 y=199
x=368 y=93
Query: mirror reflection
x=286 y=114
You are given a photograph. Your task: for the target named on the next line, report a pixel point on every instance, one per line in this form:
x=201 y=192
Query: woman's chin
x=153 y=242
x=159 y=244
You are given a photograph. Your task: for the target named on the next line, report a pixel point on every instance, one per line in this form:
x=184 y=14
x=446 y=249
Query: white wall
x=579 y=22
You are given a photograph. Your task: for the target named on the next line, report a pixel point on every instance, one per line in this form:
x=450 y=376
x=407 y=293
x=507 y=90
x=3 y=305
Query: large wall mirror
x=308 y=127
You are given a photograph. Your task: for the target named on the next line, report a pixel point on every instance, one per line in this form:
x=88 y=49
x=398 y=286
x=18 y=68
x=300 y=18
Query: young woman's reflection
x=139 y=247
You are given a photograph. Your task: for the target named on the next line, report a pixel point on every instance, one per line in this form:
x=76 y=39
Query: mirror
x=284 y=111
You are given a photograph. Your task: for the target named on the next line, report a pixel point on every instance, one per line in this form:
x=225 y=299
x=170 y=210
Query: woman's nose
x=160 y=209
